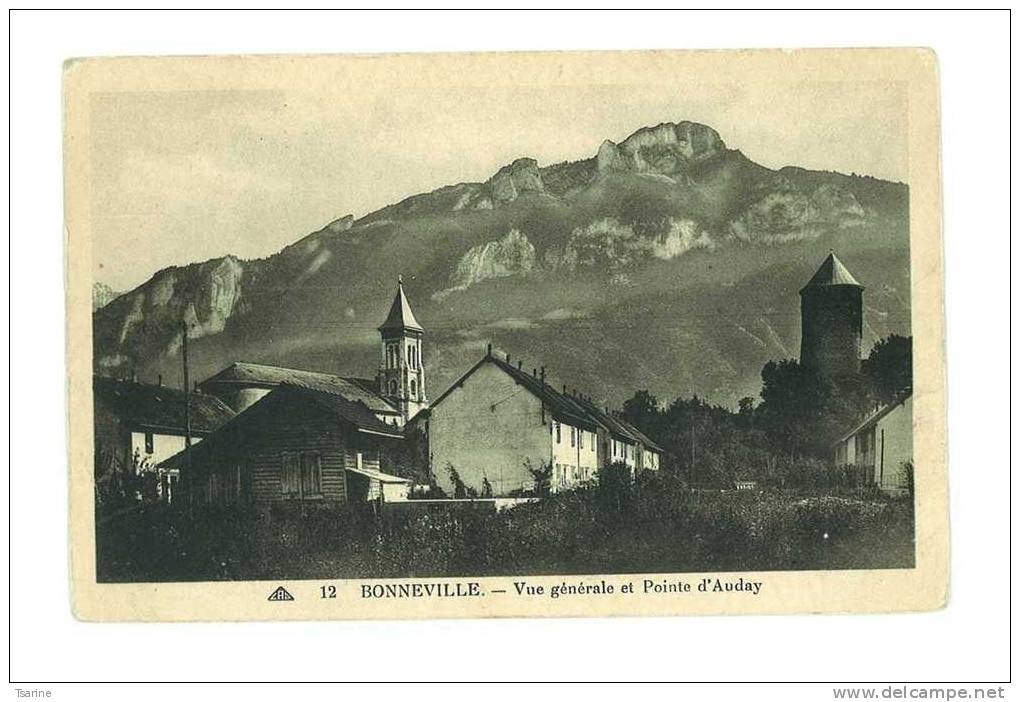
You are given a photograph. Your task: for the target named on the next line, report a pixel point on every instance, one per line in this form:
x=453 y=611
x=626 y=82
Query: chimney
x=508 y=357
x=564 y=388
x=534 y=372
x=159 y=380
x=518 y=364
x=543 y=375
x=489 y=351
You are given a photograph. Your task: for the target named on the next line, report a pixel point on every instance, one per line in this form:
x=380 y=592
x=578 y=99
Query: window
x=594 y=438
x=614 y=448
x=148 y=443
x=393 y=387
x=557 y=432
x=580 y=438
x=289 y=475
x=311 y=474
x=414 y=388
x=573 y=440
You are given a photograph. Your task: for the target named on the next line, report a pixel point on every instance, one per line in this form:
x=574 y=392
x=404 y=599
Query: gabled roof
x=620 y=427
x=562 y=406
x=400 y=316
x=831 y=272
x=872 y=418
x=566 y=408
x=255 y=374
x=351 y=413
x=159 y=407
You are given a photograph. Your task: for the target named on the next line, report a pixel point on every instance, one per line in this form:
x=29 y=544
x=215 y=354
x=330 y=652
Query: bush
x=652 y=524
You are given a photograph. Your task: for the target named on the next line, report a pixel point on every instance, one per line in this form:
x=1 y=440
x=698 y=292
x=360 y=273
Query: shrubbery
x=655 y=524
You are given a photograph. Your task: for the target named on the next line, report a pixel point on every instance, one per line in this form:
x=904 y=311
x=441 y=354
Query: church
x=394 y=395
x=310 y=438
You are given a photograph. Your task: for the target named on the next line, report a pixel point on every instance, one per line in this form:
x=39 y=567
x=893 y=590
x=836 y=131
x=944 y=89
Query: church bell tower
x=830 y=320
x=402 y=372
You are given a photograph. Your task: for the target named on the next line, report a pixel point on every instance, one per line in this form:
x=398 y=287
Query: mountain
x=667 y=261
x=102 y=294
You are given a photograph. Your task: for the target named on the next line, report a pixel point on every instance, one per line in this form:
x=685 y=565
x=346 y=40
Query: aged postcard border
x=923 y=587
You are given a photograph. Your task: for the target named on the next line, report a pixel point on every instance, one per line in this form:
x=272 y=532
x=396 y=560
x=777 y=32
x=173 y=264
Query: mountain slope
x=667 y=261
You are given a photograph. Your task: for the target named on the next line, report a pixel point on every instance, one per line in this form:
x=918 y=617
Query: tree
x=906 y=478
x=889 y=368
x=642 y=410
x=541 y=476
x=486 y=487
x=460 y=490
x=615 y=488
x=409 y=458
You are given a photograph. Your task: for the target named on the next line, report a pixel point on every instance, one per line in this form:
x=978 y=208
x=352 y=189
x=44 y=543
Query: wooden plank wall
x=296 y=427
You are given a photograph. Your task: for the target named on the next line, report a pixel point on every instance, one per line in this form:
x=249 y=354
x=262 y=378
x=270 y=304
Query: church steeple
x=400 y=317
x=402 y=372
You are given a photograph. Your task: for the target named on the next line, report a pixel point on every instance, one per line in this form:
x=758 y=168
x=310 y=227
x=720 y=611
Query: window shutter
x=289 y=474
x=311 y=474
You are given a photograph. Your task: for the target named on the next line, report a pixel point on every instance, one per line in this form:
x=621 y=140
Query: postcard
x=505 y=335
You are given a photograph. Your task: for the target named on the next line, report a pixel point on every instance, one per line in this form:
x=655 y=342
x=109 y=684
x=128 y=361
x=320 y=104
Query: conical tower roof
x=831 y=272
x=400 y=316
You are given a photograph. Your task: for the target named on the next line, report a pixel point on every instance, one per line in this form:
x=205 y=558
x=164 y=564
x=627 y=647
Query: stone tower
x=830 y=321
x=402 y=373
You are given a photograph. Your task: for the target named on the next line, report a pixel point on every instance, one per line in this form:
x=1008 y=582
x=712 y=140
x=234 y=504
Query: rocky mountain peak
x=666 y=149
x=521 y=176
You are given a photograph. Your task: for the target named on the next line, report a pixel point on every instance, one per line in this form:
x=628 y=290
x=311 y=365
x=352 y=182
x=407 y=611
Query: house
x=622 y=442
x=241 y=385
x=139 y=426
x=500 y=424
x=296 y=445
x=395 y=395
x=881 y=445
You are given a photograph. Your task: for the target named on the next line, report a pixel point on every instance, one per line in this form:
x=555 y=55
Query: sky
x=178 y=177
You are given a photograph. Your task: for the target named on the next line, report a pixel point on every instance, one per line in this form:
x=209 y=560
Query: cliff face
x=146 y=321
x=511 y=255
x=102 y=295
x=665 y=261
x=668 y=149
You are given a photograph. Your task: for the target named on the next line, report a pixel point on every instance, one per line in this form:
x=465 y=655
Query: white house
x=498 y=423
x=881 y=445
x=139 y=426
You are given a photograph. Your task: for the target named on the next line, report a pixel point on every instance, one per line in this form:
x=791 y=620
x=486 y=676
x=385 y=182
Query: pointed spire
x=831 y=272
x=400 y=316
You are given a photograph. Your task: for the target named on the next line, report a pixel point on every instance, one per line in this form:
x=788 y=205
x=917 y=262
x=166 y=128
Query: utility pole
x=692 y=456
x=187 y=398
